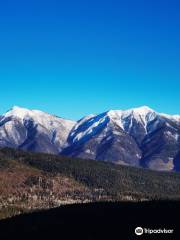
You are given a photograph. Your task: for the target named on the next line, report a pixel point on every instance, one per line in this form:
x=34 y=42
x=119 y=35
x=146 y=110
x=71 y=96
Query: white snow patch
x=89 y=151
x=50 y=124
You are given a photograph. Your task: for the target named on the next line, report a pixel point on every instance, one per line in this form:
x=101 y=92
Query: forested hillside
x=30 y=181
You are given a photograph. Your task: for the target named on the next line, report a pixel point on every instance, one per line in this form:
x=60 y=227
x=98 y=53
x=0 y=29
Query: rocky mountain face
x=34 y=130
x=137 y=137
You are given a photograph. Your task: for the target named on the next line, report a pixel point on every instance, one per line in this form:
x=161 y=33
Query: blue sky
x=73 y=58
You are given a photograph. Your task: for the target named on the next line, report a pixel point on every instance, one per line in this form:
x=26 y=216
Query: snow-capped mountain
x=135 y=137
x=34 y=130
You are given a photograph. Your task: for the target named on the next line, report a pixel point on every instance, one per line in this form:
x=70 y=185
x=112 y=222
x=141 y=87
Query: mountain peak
x=23 y=113
x=18 y=112
x=17 y=108
x=143 y=110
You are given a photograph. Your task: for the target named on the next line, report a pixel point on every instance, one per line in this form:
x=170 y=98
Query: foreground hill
x=96 y=221
x=30 y=181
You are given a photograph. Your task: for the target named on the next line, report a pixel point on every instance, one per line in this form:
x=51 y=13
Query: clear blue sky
x=74 y=58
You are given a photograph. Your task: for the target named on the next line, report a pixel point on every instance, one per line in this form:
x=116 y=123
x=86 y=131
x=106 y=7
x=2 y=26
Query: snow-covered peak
x=144 y=110
x=136 y=112
x=39 y=117
x=18 y=112
x=17 y=121
x=23 y=113
x=124 y=118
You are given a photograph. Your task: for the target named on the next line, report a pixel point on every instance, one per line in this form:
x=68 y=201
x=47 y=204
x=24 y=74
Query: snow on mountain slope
x=101 y=139
x=87 y=127
x=143 y=114
x=124 y=119
x=175 y=118
x=42 y=118
x=138 y=122
x=21 y=127
x=135 y=137
x=113 y=135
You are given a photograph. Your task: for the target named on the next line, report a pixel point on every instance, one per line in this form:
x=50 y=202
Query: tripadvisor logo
x=140 y=231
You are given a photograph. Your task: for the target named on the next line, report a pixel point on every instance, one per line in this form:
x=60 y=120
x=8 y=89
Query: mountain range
x=138 y=137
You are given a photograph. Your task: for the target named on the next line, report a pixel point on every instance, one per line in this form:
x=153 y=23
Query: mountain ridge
x=135 y=137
